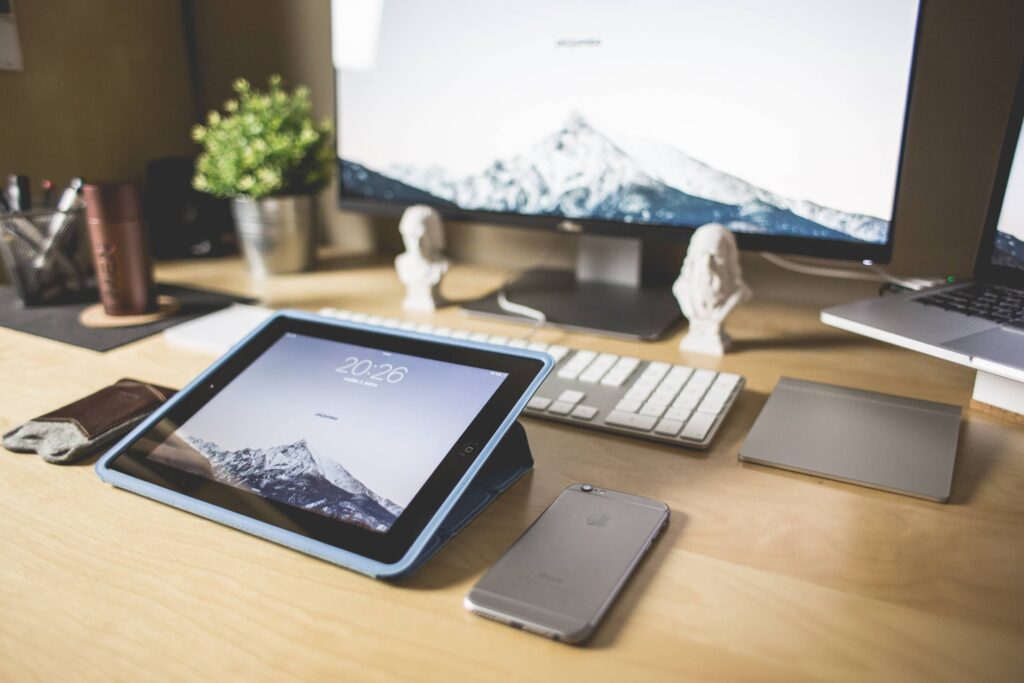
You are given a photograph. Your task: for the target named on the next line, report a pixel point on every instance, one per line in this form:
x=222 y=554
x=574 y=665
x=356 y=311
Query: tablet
x=342 y=440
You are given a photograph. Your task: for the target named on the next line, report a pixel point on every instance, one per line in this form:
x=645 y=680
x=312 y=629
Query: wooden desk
x=762 y=574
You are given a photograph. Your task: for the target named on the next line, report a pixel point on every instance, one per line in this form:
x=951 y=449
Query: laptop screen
x=1008 y=250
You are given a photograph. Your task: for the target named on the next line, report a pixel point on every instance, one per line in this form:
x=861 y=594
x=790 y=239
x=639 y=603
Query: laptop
x=980 y=322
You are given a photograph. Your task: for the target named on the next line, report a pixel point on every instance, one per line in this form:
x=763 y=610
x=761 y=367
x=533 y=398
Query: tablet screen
x=348 y=432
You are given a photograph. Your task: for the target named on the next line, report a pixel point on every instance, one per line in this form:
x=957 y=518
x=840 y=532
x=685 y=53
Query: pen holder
x=39 y=250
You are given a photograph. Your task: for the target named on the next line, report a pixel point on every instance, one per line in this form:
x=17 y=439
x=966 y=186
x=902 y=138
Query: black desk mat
x=60 y=322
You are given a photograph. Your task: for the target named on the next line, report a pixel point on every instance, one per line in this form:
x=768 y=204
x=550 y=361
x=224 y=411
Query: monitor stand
x=615 y=291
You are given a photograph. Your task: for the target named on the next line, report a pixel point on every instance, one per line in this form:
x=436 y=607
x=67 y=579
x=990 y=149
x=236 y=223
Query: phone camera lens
x=586 y=488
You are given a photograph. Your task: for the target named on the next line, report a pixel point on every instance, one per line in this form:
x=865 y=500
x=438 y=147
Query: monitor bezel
x=984 y=268
x=867 y=252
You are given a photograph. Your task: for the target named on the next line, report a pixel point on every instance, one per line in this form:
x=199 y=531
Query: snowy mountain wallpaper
x=781 y=118
x=311 y=423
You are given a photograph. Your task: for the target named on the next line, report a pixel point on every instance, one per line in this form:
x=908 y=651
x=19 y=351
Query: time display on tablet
x=355 y=366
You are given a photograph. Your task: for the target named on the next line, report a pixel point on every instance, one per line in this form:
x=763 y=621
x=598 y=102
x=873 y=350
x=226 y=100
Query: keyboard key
x=394 y=322
x=668 y=427
x=702 y=379
x=712 y=403
x=726 y=380
x=539 y=403
x=498 y=340
x=518 y=343
x=479 y=337
x=638 y=393
x=537 y=346
x=679 y=373
x=680 y=414
x=698 y=426
x=642 y=423
x=425 y=328
x=629 y=405
x=576 y=365
x=584 y=412
x=375 y=320
x=596 y=370
x=359 y=317
x=653 y=408
x=571 y=396
x=687 y=403
x=655 y=372
x=560 y=408
x=460 y=334
x=620 y=372
x=558 y=352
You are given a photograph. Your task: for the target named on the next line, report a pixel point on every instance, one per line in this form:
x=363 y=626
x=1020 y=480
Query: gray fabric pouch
x=70 y=433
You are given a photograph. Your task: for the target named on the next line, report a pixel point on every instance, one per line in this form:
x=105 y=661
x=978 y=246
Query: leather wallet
x=72 y=432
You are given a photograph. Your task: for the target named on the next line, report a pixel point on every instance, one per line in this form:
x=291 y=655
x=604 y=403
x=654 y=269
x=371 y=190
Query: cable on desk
x=879 y=274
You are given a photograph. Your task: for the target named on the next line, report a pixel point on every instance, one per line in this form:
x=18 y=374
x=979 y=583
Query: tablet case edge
x=435 y=533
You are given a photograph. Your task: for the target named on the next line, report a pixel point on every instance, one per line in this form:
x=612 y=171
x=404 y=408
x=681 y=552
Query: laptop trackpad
x=996 y=345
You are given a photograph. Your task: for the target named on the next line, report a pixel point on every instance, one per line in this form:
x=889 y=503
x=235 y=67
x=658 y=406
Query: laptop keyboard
x=979 y=300
x=664 y=402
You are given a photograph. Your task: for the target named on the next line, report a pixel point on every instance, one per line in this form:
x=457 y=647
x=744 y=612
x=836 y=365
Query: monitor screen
x=1008 y=250
x=777 y=119
x=348 y=432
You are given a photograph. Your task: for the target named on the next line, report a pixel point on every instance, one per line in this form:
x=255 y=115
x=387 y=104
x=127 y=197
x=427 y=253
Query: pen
x=12 y=193
x=59 y=224
x=47 y=186
x=24 y=192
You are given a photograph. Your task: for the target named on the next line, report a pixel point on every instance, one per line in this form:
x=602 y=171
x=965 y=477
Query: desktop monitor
x=783 y=120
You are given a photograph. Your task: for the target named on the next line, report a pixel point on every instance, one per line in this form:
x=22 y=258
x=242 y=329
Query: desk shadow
x=973 y=465
x=801 y=341
x=351 y=261
x=609 y=630
x=487 y=543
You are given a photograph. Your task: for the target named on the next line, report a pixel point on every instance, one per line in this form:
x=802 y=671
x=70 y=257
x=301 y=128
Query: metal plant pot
x=277 y=234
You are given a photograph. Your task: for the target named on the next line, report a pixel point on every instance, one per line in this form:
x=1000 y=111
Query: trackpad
x=996 y=345
x=888 y=442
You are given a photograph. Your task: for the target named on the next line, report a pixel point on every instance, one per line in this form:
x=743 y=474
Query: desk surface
x=761 y=574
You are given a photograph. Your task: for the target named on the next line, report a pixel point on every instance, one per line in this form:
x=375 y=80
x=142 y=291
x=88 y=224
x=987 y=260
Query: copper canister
x=120 y=248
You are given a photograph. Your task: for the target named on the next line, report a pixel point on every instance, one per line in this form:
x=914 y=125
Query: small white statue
x=422 y=265
x=709 y=286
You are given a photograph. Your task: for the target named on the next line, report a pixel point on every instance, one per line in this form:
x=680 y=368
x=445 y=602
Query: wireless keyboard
x=672 y=404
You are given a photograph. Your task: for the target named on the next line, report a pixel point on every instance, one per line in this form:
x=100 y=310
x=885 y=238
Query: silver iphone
x=563 y=573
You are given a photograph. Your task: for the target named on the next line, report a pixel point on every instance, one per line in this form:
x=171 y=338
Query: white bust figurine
x=709 y=286
x=422 y=265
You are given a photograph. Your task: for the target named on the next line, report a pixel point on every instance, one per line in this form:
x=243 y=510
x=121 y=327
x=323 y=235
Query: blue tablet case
x=502 y=461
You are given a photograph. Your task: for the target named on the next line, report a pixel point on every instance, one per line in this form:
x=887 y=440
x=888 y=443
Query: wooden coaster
x=94 y=316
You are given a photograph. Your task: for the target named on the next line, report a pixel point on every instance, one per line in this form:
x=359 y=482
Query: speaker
x=182 y=221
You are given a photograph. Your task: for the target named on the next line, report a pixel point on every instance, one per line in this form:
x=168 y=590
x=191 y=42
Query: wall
x=105 y=89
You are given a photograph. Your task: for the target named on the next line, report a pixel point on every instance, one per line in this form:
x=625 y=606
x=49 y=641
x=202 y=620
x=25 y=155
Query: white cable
x=820 y=271
x=537 y=315
x=879 y=274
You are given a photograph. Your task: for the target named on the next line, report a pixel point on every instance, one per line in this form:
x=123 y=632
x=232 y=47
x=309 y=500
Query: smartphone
x=563 y=573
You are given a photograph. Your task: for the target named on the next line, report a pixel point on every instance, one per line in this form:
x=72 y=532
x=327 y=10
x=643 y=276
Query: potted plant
x=268 y=154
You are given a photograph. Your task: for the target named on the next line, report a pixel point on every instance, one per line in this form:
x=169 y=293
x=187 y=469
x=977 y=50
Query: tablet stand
x=509 y=461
